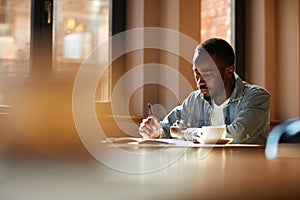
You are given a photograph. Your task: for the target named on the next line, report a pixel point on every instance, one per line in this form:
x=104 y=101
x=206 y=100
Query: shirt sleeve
x=180 y=112
x=169 y=120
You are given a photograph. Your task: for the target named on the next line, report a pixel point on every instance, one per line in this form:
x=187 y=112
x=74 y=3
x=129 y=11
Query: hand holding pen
x=150 y=127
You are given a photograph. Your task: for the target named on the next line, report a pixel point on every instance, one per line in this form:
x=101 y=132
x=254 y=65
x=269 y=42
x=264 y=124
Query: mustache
x=202 y=87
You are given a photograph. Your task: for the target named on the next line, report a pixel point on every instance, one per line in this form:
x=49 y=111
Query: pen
x=150 y=110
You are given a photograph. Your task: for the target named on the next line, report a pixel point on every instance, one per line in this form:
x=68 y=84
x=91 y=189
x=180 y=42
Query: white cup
x=213 y=132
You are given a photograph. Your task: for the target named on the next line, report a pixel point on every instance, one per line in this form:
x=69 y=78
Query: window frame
x=239 y=37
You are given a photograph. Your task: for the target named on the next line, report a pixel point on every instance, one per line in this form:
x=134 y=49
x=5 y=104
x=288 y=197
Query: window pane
x=79 y=27
x=216 y=20
x=14 y=41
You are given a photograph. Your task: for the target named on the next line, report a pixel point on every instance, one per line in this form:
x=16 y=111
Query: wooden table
x=225 y=173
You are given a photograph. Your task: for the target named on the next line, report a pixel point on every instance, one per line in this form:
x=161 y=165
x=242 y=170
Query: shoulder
x=252 y=89
x=254 y=94
x=246 y=90
x=194 y=94
x=193 y=97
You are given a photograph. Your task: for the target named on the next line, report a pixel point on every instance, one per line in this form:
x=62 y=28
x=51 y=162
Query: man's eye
x=207 y=75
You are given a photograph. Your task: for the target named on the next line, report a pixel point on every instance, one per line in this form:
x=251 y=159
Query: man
x=222 y=98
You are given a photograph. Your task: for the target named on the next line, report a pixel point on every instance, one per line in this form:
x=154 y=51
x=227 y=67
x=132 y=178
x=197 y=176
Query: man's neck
x=229 y=87
x=220 y=99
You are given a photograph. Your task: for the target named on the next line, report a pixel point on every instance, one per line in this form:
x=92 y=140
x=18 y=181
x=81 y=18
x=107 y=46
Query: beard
x=205 y=93
x=207 y=97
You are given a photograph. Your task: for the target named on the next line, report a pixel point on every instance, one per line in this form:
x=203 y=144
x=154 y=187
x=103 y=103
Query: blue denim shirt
x=246 y=115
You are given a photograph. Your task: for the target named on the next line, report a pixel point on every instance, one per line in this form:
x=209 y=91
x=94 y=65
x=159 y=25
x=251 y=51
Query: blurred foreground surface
x=42 y=157
x=225 y=173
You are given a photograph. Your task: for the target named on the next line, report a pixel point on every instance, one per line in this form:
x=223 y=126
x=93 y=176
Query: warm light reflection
x=79 y=28
x=71 y=23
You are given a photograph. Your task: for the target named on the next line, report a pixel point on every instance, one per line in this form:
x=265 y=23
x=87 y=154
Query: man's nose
x=201 y=80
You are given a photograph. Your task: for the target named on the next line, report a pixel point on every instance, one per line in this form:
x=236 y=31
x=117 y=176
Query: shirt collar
x=238 y=90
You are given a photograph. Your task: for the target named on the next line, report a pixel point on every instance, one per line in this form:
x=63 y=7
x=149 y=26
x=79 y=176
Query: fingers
x=177 y=128
x=180 y=124
x=142 y=130
x=150 y=128
x=155 y=135
x=144 y=135
x=177 y=133
x=146 y=129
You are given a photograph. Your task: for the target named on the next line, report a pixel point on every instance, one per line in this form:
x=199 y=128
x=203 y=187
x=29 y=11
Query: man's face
x=208 y=77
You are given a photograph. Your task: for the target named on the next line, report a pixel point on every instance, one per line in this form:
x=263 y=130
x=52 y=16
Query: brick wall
x=216 y=19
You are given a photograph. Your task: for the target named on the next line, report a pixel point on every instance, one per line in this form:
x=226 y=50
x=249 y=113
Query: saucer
x=215 y=141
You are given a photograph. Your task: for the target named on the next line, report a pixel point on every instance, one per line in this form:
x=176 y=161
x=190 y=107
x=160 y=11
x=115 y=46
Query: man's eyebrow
x=208 y=70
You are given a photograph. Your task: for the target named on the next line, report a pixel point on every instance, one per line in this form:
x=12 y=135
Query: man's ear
x=230 y=70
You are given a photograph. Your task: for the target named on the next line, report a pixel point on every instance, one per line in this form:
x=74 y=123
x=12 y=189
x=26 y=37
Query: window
x=14 y=42
x=216 y=19
x=79 y=27
x=31 y=46
x=14 y=37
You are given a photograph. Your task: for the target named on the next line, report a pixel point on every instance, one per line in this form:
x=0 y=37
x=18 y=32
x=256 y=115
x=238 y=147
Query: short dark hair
x=222 y=49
